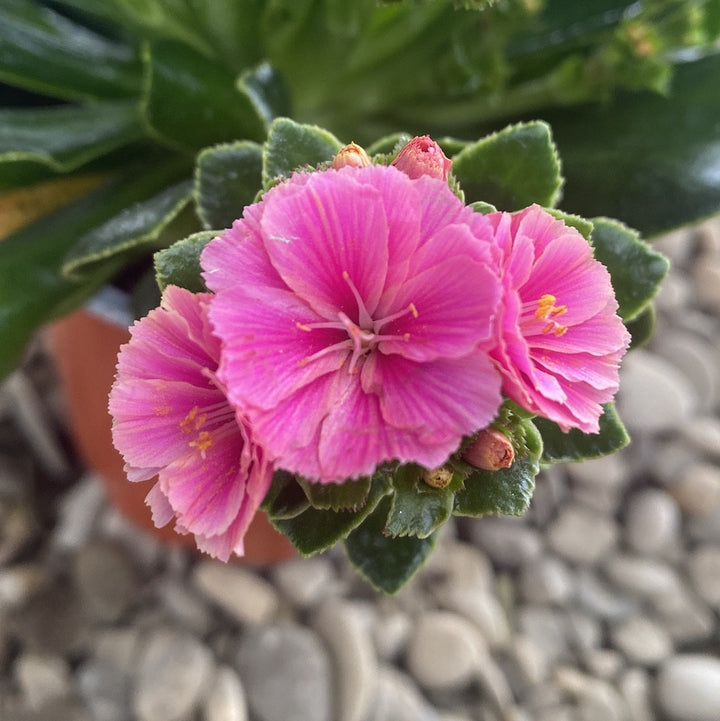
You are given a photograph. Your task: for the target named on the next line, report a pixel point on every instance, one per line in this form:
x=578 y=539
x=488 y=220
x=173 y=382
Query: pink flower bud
x=491 y=451
x=423 y=156
x=353 y=156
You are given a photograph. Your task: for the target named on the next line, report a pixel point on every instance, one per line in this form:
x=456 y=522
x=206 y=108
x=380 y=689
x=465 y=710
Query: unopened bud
x=491 y=451
x=351 y=156
x=437 y=477
x=423 y=156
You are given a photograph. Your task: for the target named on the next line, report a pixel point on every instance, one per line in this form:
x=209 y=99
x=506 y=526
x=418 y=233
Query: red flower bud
x=353 y=156
x=423 y=156
x=491 y=451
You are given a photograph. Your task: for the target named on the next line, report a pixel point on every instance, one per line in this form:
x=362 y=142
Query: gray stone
x=596 y=699
x=390 y=632
x=684 y=617
x=225 y=700
x=507 y=541
x=642 y=576
x=286 y=673
x=603 y=663
x=546 y=580
x=172 y=676
x=643 y=641
x=581 y=535
x=706 y=276
x=305 y=581
x=241 y=593
x=687 y=688
x=596 y=597
x=42 y=678
x=705 y=573
x=525 y=664
x=18 y=527
x=443 y=651
x=546 y=628
x=339 y=624
x=703 y=434
x=105 y=691
x=184 y=607
x=460 y=565
x=654 y=396
x=634 y=685
x=652 y=521
x=697 y=490
x=399 y=699
x=118 y=647
x=78 y=513
x=584 y=630
x=19 y=583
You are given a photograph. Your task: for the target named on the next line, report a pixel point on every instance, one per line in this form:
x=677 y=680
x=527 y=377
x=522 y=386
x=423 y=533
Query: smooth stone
x=603 y=663
x=42 y=678
x=642 y=576
x=185 y=607
x=524 y=664
x=460 y=565
x=118 y=647
x=225 y=700
x=675 y=294
x=172 y=675
x=609 y=470
x=242 y=594
x=547 y=580
x=687 y=688
x=390 y=632
x=287 y=674
x=596 y=699
x=697 y=489
x=399 y=699
x=704 y=570
x=18 y=527
x=507 y=541
x=703 y=433
x=305 y=581
x=679 y=245
x=104 y=690
x=684 y=617
x=581 y=535
x=584 y=630
x=354 y=662
x=670 y=460
x=706 y=276
x=78 y=513
x=643 y=641
x=546 y=628
x=19 y=583
x=634 y=686
x=652 y=521
x=106 y=580
x=654 y=396
x=443 y=651
x=595 y=596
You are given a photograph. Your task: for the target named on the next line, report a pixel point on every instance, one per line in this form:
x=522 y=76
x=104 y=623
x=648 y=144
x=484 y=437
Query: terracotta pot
x=84 y=347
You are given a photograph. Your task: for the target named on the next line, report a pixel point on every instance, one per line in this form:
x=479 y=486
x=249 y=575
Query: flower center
x=363 y=335
x=546 y=310
x=204 y=426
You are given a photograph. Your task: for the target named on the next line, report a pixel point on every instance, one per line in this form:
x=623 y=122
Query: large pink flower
x=171 y=418
x=356 y=309
x=561 y=340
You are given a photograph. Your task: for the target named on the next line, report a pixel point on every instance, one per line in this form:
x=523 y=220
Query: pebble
x=697 y=490
x=685 y=617
x=642 y=576
x=305 y=581
x=225 y=699
x=104 y=690
x=390 y=632
x=241 y=593
x=507 y=541
x=547 y=580
x=546 y=628
x=581 y=535
x=652 y=521
x=705 y=573
x=634 y=686
x=43 y=679
x=643 y=641
x=703 y=434
x=19 y=583
x=598 y=598
x=172 y=676
x=78 y=513
x=287 y=674
x=687 y=688
x=399 y=699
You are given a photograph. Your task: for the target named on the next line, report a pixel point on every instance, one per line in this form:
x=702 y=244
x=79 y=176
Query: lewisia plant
x=387 y=354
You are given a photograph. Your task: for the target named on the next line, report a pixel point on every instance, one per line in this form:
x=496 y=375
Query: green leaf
x=575 y=445
x=641 y=327
x=285 y=497
x=507 y=491
x=191 y=101
x=388 y=144
x=227 y=178
x=511 y=169
x=387 y=563
x=636 y=269
x=138 y=225
x=64 y=137
x=45 y=52
x=315 y=530
x=646 y=159
x=418 y=509
x=180 y=263
x=292 y=145
x=267 y=91
x=348 y=496
x=32 y=288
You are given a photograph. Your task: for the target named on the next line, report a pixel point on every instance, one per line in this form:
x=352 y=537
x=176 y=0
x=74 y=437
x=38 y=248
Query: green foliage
x=180 y=263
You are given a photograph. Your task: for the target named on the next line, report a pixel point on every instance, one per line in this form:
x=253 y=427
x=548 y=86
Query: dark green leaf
x=641 y=327
x=575 y=445
x=46 y=52
x=511 y=169
x=387 y=563
x=227 y=178
x=348 y=496
x=636 y=269
x=418 y=509
x=267 y=91
x=192 y=102
x=32 y=288
x=291 y=145
x=140 y=224
x=285 y=497
x=646 y=159
x=315 y=530
x=64 y=137
x=388 y=144
x=180 y=263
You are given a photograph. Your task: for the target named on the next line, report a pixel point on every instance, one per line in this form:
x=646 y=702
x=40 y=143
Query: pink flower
x=171 y=418
x=356 y=310
x=352 y=155
x=423 y=156
x=560 y=338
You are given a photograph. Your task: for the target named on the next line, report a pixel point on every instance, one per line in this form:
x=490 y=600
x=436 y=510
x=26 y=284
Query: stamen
x=203 y=441
x=342 y=345
x=364 y=318
x=380 y=323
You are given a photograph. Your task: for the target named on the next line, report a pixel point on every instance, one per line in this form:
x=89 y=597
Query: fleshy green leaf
x=575 y=445
x=348 y=496
x=507 y=491
x=641 y=327
x=267 y=91
x=48 y=53
x=291 y=145
x=511 y=169
x=285 y=497
x=636 y=269
x=315 y=530
x=227 y=178
x=180 y=263
x=388 y=143
x=418 y=509
x=64 y=137
x=191 y=101
x=138 y=225
x=387 y=563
